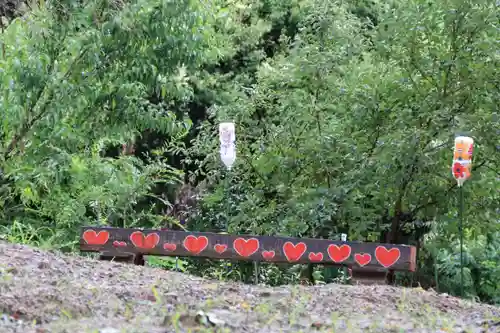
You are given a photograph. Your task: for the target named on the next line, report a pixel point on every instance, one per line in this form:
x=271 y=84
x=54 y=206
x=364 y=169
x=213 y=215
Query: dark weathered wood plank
x=246 y=247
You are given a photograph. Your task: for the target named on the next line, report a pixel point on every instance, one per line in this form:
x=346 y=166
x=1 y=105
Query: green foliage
x=481 y=269
x=345 y=117
x=169 y=263
x=349 y=128
x=76 y=80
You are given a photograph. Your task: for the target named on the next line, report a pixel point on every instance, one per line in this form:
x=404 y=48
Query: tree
x=350 y=127
x=77 y=78
x=345 y=117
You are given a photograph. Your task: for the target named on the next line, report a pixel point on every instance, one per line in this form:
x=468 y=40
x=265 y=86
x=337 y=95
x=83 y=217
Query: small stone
x=5 y=319
x=201 y=318
x=317 y=325
x=23 y=8
x=212 y=318
x=4 y=21
x=43 y=265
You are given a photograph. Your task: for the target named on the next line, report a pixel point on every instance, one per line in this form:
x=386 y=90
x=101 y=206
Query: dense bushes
x=345 y=116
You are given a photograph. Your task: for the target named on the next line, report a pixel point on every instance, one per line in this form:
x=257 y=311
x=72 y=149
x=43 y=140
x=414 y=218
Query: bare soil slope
x=50 y=292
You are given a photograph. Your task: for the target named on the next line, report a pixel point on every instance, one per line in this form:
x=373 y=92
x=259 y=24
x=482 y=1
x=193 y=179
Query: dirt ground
x=48 y=292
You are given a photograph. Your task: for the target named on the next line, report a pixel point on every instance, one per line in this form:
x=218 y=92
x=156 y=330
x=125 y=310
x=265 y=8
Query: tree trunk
x=392 y=236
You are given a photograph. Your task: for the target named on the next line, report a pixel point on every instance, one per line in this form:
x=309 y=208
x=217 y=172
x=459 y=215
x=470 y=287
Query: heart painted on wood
x=169 y=246
x=362 y=259
x=93 y=238
x=246 y=247
x=339 y=254
x=195 y=244
x=144 y=242
x=386 y=257
x=119 y=244
x=268 y=255
x=220 y=248
x=315 y=256
x=294 y=252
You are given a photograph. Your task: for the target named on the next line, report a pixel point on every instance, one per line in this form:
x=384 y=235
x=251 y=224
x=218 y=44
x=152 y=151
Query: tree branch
x=433 y=202
x=28 y=125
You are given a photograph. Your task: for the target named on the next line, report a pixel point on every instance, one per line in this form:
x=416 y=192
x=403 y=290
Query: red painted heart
x=268 y=255
x=315 y=256
x=339 y=254
x=220 y=248
x=93 y=238
x=386 y=257
x=294 y=252
x=119 y=244
x=246 y=247
x=169 y=246
x=144 y=242
x=195 y=244
x=362 y=259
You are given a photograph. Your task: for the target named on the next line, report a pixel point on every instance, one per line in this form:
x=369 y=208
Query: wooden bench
x=366 y=261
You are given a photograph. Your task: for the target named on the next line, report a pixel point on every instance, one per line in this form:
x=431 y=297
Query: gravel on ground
x=48 y=292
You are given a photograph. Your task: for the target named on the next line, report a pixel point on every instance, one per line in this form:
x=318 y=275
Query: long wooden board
x=245 y=247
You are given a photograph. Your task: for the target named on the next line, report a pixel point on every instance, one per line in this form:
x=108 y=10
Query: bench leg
x=137 y=259
x=368 y=277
